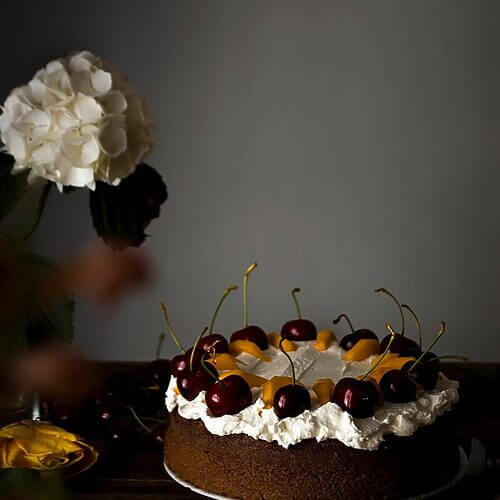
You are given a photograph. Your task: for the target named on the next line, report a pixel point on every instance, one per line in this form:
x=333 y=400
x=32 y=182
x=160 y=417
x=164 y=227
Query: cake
x=302 y=415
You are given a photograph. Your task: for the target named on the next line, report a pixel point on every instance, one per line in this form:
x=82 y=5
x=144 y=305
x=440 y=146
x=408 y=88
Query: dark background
x=344 y=145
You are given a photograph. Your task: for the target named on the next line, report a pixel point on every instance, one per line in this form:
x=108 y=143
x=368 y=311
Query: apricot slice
x=362 y=349
x=323 y=388
x=324 y=338
x=274 y=339
x=224 y=361
x=239 y=346
x=252 y=380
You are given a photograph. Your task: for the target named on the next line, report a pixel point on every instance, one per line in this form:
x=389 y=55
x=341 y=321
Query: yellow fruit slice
x=252 y=380
x=363 y=349
x=323 y=388
x=397 y=363
x=224 y=361
x=387 y=357
x=239 y=346
x=274 y=339
x=324 y=338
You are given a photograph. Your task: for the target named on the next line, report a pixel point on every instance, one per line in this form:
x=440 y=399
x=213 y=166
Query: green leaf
x=121 y=213
x=30 y=324
x=12 y=187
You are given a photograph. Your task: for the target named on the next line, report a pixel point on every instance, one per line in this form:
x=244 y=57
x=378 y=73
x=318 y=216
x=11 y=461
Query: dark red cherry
x=158 y=372
x=190 y=384
x=215 y=341
x=299 y=329
x=357 y=397
x=397 y=388
x=401 y=345
x=425 y=373
x=350 y=340
x=179 y=365
x=110 y=411
x=291 y=400
x=252 y=333
x=228 y=396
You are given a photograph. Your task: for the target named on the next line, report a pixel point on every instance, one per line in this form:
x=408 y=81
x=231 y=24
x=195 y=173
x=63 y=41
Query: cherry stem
x=458 y=357
x=227 y=291
x=161 y=338
x=417 y=322
x=294 y=296
x=194 y=348
x=215 y=377
x=170 y=329
x=442 y=329
x=336 y=320
x=138 y=420
x=403 y=322
x=289 y=358
x=251 y=267
x=383 y=355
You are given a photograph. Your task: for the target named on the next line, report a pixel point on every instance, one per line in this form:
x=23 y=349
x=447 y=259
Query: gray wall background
x=344 y=145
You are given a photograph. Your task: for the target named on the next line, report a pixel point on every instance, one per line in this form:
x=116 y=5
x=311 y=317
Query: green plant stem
x=138 y=420
x=39 y=211
x=294 y=297
x=336 y=320
x=442 y=328
x=170 y=329
x=403 y=322
x=382 y=356
x=289 y=359
x=227 y=291
x=417 y=322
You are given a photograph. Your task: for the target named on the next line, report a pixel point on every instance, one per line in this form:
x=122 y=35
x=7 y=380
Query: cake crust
x=239 y=466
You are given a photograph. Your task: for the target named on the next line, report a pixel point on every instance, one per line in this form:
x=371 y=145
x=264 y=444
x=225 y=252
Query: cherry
x=298 y=329
x=360 y=397
x=109 y=411
x=120 y=434
x=179 y=365
x=425 y=369
x=190 y=384
x=252 y=333
x=157 y=435
x=228 y=396
x=400 y=345
x=357 y=397
x=290 y=400
x=351 y=339
x=397 y=387
x=159 y=372
x=214 y=343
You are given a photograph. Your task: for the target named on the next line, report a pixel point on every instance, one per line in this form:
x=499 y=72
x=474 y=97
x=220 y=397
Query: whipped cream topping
x=327 y=421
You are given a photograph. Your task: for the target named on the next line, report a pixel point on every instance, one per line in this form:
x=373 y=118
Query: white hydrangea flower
x=76 y=122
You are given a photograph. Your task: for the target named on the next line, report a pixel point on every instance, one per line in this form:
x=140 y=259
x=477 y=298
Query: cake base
x=237 y=466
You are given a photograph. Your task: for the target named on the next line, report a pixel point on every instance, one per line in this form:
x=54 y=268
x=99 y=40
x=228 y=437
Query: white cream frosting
x=328 y=421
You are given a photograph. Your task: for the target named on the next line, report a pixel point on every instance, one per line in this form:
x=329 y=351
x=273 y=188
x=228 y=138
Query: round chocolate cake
x=298 y=415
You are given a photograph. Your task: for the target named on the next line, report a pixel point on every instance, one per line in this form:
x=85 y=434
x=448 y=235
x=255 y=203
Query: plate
x=462 y=468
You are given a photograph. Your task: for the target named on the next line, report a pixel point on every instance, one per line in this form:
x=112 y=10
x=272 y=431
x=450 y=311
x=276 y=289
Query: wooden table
x=142 y=475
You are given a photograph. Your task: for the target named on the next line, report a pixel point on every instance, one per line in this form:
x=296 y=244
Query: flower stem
x=39 y=211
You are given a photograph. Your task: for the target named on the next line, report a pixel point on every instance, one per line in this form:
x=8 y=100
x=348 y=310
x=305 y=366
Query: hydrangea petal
x=113 y=138
x=101 y=81
x=87 y=109
x=114 y=102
